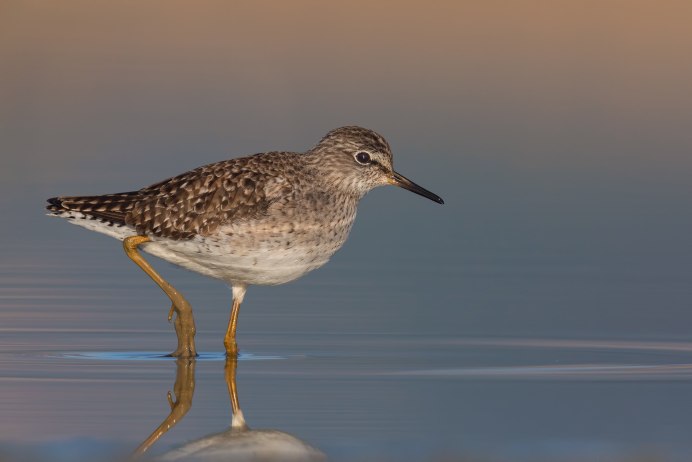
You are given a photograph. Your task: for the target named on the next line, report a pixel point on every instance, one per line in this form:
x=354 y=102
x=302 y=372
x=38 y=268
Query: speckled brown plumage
x=199 y=201
x=195 y=202
x=263 y=219
x=250 y=205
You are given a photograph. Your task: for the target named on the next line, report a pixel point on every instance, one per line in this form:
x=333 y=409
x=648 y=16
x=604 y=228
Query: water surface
x=83 y=371
x=541 y=314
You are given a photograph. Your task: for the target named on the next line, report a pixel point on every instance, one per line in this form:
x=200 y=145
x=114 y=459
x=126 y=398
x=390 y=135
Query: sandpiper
x=263 y=219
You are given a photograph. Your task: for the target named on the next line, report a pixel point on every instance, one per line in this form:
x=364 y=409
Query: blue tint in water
x=156 y=356
x=542 y=313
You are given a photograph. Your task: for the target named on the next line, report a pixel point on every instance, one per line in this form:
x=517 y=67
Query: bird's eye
x=363 y=157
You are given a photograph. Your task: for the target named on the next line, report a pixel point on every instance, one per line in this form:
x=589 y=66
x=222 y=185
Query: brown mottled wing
x=199 y=201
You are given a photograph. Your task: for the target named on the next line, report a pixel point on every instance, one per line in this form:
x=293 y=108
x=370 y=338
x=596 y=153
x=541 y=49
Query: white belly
x=242 y=254
x=264 y=265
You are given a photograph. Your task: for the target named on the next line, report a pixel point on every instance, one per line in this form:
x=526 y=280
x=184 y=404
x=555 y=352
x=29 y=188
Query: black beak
x=403 y=182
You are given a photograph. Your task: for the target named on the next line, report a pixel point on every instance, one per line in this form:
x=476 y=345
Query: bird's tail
x=111 y=208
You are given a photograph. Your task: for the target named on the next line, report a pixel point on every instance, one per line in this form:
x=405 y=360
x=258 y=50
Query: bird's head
x=357 y=160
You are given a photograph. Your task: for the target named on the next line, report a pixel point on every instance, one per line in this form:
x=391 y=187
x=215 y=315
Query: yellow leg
x=229 y=340
x=184 y=322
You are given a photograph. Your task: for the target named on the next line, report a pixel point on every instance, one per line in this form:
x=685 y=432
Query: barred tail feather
x=108 y=208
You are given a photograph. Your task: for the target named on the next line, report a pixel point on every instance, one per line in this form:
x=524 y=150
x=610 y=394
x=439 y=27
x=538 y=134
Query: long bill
x=403 y=182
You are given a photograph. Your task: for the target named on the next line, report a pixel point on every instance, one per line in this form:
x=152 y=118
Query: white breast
x=266 y=264
x=267 y=251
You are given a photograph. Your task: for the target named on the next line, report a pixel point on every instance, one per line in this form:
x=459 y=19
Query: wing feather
x=199 y=201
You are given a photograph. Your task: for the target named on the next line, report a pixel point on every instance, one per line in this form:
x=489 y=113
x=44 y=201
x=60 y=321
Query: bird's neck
x=335 y=177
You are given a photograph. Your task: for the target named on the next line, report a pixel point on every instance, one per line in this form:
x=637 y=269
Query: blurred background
x=559 y=134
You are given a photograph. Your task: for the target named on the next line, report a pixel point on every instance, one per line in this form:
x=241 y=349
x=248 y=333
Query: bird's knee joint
x=131 y=243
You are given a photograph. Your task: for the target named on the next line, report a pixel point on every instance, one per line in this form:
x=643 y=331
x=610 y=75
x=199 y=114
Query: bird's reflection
x=239 y=442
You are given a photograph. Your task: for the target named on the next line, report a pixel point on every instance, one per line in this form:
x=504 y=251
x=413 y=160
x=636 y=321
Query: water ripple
x=155 y=356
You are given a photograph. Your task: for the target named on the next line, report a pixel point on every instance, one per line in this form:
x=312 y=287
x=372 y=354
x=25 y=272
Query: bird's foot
x=187 y=351
x=185 y=330
x=231 y=348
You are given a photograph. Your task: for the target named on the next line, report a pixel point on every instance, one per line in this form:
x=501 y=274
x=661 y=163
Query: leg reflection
x=238 y=421
x=180 y=404
x=238 y=442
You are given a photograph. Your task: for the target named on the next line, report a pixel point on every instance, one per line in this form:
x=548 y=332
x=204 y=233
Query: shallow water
x=83 y=373
x=541 y=314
